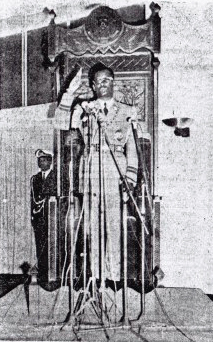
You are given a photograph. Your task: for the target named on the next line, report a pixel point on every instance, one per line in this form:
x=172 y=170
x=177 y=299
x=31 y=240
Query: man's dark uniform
x=41 y=190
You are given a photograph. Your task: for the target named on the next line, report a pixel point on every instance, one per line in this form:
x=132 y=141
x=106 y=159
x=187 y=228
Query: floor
x=171 y=314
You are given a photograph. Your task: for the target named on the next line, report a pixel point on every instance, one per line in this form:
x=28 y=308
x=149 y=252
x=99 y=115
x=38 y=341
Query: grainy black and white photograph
x=106 y=171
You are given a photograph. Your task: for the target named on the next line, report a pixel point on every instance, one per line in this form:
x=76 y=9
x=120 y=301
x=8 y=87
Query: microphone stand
x=89 y=296
x=126 y=185
x=102 y=215
x=143 y=226
x=140 y=153
x=144 y=189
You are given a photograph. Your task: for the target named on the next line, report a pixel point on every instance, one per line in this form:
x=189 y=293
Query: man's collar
x=46 y=172
x=109 y=103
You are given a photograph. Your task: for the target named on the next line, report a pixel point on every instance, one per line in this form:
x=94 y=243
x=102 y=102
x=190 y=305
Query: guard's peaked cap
x=43 y=153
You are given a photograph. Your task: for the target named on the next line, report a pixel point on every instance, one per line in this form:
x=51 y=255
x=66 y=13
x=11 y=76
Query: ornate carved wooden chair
x=129 y=49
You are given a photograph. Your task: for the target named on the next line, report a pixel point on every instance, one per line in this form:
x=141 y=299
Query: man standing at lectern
x=113 y=118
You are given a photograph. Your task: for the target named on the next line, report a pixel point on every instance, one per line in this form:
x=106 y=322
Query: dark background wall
x=10 y=72
x=39 y=80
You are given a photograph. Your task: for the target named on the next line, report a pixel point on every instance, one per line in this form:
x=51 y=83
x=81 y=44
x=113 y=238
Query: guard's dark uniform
x=41 y=190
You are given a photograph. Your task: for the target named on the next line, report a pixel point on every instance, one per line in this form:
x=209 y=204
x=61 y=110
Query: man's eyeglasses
x=103 y=80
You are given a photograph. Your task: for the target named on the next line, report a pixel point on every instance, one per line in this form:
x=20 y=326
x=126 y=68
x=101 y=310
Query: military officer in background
x=43 y=185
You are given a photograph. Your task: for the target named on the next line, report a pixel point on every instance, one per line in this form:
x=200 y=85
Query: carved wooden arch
x=103 y=32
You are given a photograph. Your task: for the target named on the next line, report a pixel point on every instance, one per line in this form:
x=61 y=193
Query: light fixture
x=181 y=125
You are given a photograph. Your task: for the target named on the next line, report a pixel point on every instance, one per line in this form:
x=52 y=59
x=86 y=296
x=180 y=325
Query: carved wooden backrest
x=127 y=49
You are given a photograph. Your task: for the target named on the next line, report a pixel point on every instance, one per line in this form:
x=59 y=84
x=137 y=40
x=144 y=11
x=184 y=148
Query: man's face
x=44 y=163
x=103 y=84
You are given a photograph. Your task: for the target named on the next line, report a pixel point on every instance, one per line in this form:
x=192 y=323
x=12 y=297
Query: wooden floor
x=171 y=314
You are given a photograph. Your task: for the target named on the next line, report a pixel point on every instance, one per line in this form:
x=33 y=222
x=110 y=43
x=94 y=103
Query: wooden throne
x=130 y=50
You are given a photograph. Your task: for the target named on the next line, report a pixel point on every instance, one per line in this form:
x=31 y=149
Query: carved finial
x=156 y=62
x=25 y=267
x=50 y=13
x=155 y=8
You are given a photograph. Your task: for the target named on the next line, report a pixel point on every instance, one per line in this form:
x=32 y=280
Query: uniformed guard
x=43 y=185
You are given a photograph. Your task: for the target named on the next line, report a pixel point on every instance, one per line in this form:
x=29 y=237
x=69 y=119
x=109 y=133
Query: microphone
x=133 y=121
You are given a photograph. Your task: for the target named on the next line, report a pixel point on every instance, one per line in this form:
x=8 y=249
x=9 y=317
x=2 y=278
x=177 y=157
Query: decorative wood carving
x=130 y=91
x=118 y=63
x=103 y=26
x=103 y=32
x=128 y=40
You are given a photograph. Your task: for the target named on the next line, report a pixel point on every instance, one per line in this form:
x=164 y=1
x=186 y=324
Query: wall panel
x=10 y=71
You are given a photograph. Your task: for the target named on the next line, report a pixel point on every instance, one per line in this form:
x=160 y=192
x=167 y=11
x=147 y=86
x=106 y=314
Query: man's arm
x=62 y=112
x=63 y=118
